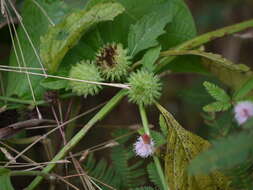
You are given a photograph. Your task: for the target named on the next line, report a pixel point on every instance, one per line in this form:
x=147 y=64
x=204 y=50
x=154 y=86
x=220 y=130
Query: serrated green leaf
x=62 y=37
x=32 y=16
x=216 y=92
x=150 y=57
x=54 y=84
x=5 y=181
x=225 y=153
x=217 y=106
x=144 y=33
x=182 y=147
x=243 y=90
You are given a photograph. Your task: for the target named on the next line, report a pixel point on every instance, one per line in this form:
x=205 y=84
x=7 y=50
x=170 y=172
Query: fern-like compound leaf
x=216 y=92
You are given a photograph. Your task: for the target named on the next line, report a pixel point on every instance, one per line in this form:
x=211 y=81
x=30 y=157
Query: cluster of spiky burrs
x=113 y=64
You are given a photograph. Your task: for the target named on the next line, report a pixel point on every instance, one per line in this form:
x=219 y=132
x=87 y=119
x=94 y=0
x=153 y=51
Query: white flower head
x=144 y=146
x=243 y=111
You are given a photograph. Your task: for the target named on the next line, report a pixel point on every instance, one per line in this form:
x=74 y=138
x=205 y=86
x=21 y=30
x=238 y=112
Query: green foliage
x=182 y=147
x=126 y=173
x=5 y=181
x=60 y=38
x=217 y=106
x=143 y=188
x=145 y=88
x=163 y=125
x=219 y=126
x=17 y=84
x=223 y=100
x=243 y=90
x=232 y=75
x=149 y=58
x=158 y=138
x=216 y=92
x=226 y=153
x=144 y=33
x=89 y=72
x=241 y=175
x=102 y=171
x=54 y=84
x=154 y=176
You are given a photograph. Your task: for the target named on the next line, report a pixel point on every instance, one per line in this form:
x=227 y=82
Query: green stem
x=202 y=39
x=32 y=173
x=144 y=119
x=155 y=158
x=30 y=102
x=75 y=140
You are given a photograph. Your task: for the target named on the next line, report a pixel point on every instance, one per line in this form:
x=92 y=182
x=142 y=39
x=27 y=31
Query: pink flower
x=144 y=146
x=243 y=111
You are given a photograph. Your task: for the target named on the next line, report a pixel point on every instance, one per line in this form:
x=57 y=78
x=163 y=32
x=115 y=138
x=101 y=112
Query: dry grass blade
x=53 y=130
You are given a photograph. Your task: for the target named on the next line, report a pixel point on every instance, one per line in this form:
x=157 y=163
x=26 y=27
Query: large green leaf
x=181 y=28
x=182 y=147
x=36 y=24
x=144 y=33
x=62 y=37
x=5 y=181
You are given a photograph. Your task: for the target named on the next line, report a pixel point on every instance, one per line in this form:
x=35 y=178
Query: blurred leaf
x=54 y=84
x=5 y=181
x=243 y=90
x=233 y=75
x=225 y=153
x=186 y=64
x=217 y=106
x=158 y=138
x=143 y=188
x=32 y=16
x=150 y=57
x=163 y=125
x=62 y=37
x=144 y=33
x=154 y=176
x=216 y=92
x=182 y=147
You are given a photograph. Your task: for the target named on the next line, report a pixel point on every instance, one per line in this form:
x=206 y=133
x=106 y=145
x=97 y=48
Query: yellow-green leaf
x=182 y=147
x=231 y=74
x=60 y=38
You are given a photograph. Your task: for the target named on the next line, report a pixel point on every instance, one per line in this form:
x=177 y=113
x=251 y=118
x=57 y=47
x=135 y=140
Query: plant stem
x=202 y=39
x=32 y=173
x=155 y=158
x=31 y=102
x=144 y=119
x=74 y=141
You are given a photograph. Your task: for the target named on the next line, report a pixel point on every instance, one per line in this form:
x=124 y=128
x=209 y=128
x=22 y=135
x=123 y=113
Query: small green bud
x=114 y=62
x=85 y=70
x=145 y=87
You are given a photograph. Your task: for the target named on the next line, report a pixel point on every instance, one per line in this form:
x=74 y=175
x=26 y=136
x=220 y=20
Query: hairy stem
x=202 y=39
x=155 y=158
x=74 y=141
